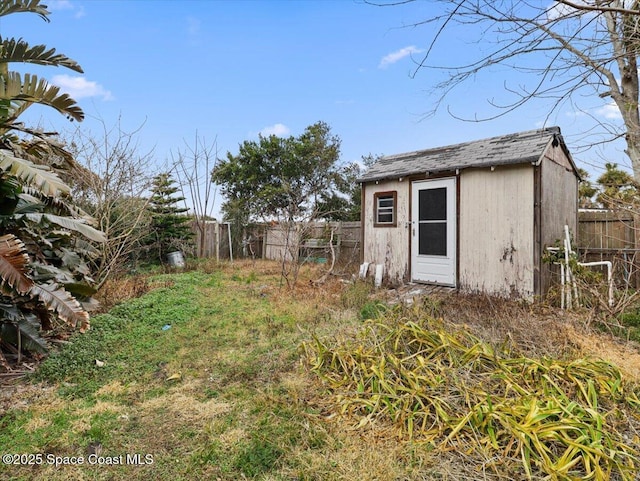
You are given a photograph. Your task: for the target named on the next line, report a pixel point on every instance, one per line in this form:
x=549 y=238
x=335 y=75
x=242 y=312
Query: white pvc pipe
x=562 y=285
x=574 y=285
x=568 y=273
x=230 y=246
x=609 y=275
x=565 y=277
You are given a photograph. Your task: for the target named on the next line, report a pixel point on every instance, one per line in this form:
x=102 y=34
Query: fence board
x=602 y=235
x=605 y=235
x=212 y=240
x=315 y=247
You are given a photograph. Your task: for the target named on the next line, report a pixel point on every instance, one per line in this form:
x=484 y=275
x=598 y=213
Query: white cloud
x=58 y=5
x=80 y=87
x=558 y=10
x=279 y=130
x=79 y=12
x=609 y=111
x=398 y=55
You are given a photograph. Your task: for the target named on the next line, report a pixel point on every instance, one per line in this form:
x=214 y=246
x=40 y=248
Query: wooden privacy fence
x=273 y=241
x=602 y=235
x=211 y=239
x=605 y=235
x=313 y=242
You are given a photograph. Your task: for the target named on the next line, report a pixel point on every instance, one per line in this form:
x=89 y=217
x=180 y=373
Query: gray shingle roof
x=518 y=148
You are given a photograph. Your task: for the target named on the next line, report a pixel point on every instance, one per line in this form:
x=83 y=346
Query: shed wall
x=559 y=204
x=496 y=236
x=388 y=245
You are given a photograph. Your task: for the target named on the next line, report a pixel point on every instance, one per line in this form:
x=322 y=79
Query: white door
x=433 y=231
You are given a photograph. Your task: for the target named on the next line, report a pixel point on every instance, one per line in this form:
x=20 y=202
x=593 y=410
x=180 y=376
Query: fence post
x=635 y=281
x=264 y=241
x=217 y=244
x=339 y=243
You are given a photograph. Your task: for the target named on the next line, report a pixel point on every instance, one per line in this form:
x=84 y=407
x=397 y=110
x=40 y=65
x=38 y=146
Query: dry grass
x=244 y=393
x=120 y=289
x=537 y=330
x=439 y=384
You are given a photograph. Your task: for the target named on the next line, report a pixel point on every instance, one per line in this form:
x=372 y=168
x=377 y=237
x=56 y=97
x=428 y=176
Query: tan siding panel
x=496 y=231
x=559 y=204
x=388 y=245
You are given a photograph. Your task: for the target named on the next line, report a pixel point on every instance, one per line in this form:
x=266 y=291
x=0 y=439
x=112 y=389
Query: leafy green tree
x=618 y=188
x=343 y=203
x=280 y=178
x=586 y=191
x=43 y=236
x=290 y=180
x=170 y=229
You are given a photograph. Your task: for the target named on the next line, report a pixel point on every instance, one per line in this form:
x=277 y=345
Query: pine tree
x=169 y=226
x=619 y=188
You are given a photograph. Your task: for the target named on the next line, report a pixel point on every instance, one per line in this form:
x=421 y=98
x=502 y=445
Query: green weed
x=356 y=294
x=444 y=386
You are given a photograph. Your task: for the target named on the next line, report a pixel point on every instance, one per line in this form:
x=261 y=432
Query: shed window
x=385 y=204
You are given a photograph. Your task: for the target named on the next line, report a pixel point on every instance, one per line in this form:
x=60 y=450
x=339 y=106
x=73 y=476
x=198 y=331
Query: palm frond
x=13 y=264
x=23 y=330
x=77 y=225
x=31 y=200
x=35 y=90
x=63 y=304
x=38 y=176
x=13 y=110
x=86 y=249
x=17 y=50
x=24 y=6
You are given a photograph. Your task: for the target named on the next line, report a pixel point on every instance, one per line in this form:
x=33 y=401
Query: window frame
x=377 y=196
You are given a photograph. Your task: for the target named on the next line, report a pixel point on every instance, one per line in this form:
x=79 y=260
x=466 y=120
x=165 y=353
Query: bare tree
x=567 y=50
x=113 y=189
x=193 y=168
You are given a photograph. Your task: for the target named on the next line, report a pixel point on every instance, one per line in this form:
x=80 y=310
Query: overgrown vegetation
x=443 y=386
x=113 y=187
x=205 y=373
x=44 y=247
x=200 y=373
x=169 y=230
x=290 y=181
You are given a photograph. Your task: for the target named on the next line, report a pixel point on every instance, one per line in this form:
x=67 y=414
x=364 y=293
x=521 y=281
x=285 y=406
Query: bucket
x=175 y=259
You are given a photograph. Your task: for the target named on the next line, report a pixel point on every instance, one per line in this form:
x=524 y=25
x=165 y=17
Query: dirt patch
x=20 y=395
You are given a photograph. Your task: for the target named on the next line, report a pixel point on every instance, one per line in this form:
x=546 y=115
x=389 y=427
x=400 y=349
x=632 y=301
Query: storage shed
x=476 y=216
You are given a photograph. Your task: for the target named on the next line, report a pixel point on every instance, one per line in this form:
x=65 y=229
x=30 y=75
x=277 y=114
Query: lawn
x=206 y=377
x=198 y=379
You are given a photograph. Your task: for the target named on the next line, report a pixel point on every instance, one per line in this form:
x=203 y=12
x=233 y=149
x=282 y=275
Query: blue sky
x=232 y=69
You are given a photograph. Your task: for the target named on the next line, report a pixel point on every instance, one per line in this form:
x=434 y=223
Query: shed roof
x=518 y=148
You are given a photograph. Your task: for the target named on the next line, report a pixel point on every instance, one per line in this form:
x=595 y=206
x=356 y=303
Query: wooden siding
x=388 y=245
x=558 y=207
x=496 y=234
x=607 y=230
x=206 y=241
x=611 y=236
x=281 y=243
x=346 y=242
